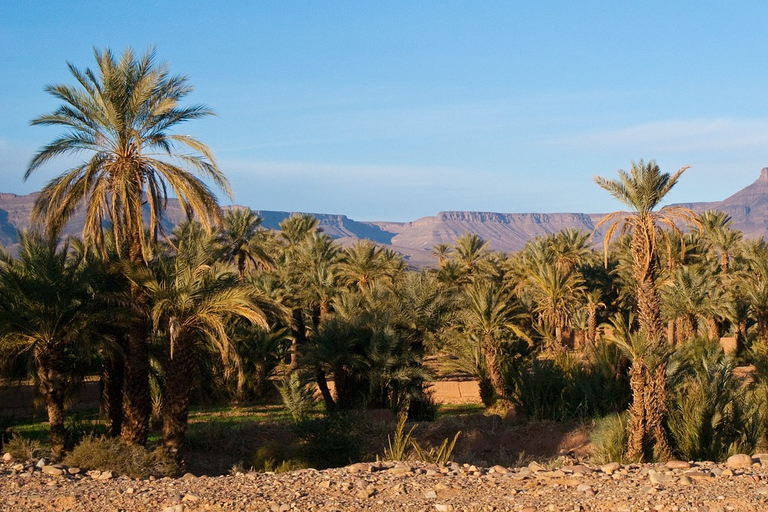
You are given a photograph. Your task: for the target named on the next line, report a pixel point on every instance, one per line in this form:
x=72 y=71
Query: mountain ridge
x=504 y=231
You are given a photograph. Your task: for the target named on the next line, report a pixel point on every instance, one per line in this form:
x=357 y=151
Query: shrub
x=610 y=438
x=399 y=444
x=298 y=396
x=22 y=448
x=108 y=454
x=713 y=413
x=440 y=455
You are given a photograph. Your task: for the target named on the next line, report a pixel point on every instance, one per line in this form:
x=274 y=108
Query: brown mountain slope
x=504 y=231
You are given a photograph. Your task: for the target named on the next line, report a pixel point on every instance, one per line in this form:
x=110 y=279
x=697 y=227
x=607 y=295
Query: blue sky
x=397 y=110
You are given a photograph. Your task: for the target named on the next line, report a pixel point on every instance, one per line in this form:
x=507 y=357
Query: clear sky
x=396 y=110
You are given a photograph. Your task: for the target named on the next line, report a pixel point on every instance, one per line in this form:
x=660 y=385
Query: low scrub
x=22 y=448
x=108 y=454
x=610 y=438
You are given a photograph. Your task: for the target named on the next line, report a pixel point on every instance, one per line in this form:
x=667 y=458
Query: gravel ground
x=739 y=484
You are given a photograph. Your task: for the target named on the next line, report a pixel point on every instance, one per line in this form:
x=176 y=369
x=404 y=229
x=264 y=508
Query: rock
x=578 y=469
x=761 y=457
x=8 y=458
x=727 y=472
x=440 y=507
x=658 y=478
x=174 y=508
x=678 y=464
x=188 y=476
x=364 y=494
x=41 y=463
x=106 y=475
x=583 y=487
x=610 y=467
x=500 y=470
x=73 y=471
x=685 y=481
x=535 y=466
x=51 y=470
x=740 y=460
x=430 y=495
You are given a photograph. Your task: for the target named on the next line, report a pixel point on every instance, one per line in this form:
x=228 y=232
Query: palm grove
x=224 y=307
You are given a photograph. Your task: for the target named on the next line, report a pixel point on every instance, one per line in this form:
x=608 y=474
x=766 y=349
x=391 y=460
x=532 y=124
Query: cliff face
x=504 y=231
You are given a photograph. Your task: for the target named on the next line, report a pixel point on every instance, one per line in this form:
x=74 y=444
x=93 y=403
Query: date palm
x=642 y=190
x=47 y=313
x=120 y=116
x=193 y=301
x=240 y=241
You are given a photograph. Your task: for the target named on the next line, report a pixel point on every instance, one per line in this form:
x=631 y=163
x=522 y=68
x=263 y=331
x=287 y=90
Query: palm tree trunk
x=638 y=427
x=178 y=392
x=491 y=356
x=51 y=386
x=322 y=384
x=713 y=329
x=299 y=336
x=671 y=332
x=592 y=328
x=656 y=410
x=112 y=377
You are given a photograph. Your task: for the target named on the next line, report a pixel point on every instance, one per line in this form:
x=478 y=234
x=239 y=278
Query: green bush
x=298 y=396
x=22 y=448
x=713 y=413
x=566 y=387
x=108 y=454
x=610 y=438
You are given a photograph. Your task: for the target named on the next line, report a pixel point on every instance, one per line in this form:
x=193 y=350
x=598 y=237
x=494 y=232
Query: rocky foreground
x=739 y=484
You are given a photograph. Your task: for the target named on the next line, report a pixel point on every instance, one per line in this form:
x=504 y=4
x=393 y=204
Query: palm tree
x=48 y=313
x=555 y=293
x=469 y=250
x=642 y=190
x=239 y=239
x=693 y=293
x=193 y=300
x=718 y=233
x=489 y=313
x=121 y=116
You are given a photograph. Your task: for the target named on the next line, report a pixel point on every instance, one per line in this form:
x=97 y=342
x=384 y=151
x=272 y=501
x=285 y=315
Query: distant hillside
x=504 y=231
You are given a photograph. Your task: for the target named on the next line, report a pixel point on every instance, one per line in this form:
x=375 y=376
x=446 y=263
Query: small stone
x=442 y=507
x=430 y=495
x=188 y=476
x=174 y=508
x=176 y=498
x=658 y=478
x=8 y=458
x=51 y=470
x=584 y=487
x=740 y=460
x=41 y=463
x=535 y=466
x=190 y=498
x=364 y=494
x=500 y=469
x=74 y=471
x=685 y=481
x=678 y=464
x=106 y=475
x=130 y=490
x=610 y=468
x=727 y=472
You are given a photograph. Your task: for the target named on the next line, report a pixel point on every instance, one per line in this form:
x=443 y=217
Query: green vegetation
x=193 y=333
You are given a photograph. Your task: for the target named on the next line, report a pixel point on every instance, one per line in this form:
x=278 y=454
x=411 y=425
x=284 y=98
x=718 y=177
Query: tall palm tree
x=642 y=190
x=121 y=116
x=193 y=300
x=48 y=313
